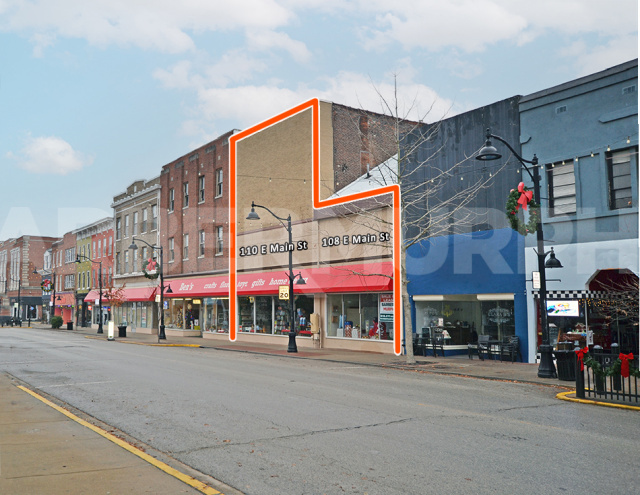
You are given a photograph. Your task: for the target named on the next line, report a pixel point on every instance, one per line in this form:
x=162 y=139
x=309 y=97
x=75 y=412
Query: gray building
x=585 y=134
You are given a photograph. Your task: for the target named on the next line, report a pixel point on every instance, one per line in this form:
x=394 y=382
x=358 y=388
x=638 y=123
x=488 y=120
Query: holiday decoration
x=150 y=269
x=522 y=197
x=47 y=285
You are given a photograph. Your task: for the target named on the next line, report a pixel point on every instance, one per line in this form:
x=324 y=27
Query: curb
x=564 y=396
x=143 y=343
x=185 y=478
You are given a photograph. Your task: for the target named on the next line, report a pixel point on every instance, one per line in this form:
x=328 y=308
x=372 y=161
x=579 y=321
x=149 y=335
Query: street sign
x=283 y=292
x=536 y=280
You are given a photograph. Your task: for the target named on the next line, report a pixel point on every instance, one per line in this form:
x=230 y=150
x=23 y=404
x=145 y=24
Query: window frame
x=610 y=157
x=185 y=195
x=201 y=185
x=219 y=182
x=559 y=172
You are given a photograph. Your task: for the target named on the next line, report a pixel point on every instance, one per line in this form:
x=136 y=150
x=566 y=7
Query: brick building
x=64 y=271
x=20 y=289
x=194 y=215
x=136 y=215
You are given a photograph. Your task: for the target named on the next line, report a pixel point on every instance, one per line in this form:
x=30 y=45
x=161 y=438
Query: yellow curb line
x=144 y=343
x=198 y=485
x=563 y=396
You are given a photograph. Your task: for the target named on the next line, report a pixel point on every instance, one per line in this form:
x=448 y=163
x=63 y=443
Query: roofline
x=616 y=69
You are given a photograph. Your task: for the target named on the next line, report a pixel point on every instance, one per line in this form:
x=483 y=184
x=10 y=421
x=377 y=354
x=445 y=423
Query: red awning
x=129 y=294
x=371 y=277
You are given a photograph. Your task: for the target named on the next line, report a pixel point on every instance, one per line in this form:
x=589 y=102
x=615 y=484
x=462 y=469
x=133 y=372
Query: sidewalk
x=459 y=365
x=45 y=449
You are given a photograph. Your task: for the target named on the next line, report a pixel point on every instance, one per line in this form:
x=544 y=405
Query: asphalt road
x=269 y=424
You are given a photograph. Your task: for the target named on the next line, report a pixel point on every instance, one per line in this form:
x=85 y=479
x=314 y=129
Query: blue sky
x=95 y=95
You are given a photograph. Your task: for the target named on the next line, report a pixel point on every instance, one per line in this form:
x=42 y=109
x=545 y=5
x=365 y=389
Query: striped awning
x=581 y=294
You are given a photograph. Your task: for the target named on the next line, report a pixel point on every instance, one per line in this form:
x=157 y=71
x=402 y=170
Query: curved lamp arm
x=533 y=162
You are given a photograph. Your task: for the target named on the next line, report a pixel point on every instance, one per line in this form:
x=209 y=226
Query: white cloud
x=162 y=25
x=589 y=60
x=472 y=25
x=50 y=155
x=265 y=40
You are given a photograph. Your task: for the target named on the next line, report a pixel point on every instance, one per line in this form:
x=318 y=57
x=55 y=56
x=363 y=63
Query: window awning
x=371 y=277
x=129 y=294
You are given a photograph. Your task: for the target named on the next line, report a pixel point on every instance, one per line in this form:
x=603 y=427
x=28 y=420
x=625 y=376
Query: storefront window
x=264 y=314
x=360 y=316
x=245 y=311
x=281 y=322
x=456 y=320
x=304 y=310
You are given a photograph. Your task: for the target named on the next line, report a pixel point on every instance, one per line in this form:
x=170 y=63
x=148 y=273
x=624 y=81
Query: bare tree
x=435 y=200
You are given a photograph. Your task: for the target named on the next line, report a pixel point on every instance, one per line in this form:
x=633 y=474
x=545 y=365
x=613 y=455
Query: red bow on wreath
x=624 y=367
x=151 y=265
x=580 y=353
x=525 y=196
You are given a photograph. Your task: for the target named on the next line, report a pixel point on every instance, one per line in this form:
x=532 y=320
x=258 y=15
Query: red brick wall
x=206 y=215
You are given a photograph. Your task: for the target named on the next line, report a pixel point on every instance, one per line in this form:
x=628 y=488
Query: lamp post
x=161 y=334
x=546 y=369
x=292 y=331
x=78 y=256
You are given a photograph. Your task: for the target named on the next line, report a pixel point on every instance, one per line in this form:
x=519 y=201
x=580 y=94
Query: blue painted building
x=468 y=275
x=585 y=134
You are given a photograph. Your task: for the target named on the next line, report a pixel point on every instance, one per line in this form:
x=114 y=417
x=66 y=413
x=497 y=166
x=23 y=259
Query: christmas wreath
x=522 y=197
x=150 y=269
x=46 y=285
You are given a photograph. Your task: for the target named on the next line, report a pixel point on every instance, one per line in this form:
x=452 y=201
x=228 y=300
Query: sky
x=95 y=95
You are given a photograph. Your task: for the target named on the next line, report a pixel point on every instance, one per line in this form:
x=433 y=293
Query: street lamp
x=53 y=287
x=546 y=369
x=78 y=256
x=161 y=334
x=292 y=331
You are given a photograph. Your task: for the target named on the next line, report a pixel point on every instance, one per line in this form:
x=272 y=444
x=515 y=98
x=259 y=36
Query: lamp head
x=300 y=280
x=133 y=245
x=252 y=214
x=168 y=290
x=488 y=152
x=552 y=262
x=77 y=258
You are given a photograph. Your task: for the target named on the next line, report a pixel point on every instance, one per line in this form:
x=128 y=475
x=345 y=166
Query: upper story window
x=201 y=189
x=185 y=247
x=185 y=195
x=118 y=263
x=201 y=243
x=135 y=223
x=172 y=252
x=144 y=221
x=110 y=244
x=619 y=165
x=219 y=178
x=126 y=226
x=154 y=217
x=172 y=199
x=118 y=228
x=562 y=188
x=219 y=240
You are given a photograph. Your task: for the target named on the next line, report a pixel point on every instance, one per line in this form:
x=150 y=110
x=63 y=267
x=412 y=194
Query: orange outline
x=314 y=104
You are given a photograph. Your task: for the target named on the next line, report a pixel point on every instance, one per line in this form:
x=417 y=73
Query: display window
x=215 y=314
x=360 y=316
x=459 y=321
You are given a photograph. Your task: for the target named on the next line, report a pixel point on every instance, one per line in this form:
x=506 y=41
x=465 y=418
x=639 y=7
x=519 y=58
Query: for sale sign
x=386 y=308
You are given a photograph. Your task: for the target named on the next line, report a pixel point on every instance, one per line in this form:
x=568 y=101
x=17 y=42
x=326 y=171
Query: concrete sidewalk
x=459 y=365
x=46 y=450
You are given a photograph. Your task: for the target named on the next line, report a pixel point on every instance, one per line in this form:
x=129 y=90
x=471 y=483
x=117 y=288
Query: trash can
x=69 y=325
x=122 y=330
x=566 y=363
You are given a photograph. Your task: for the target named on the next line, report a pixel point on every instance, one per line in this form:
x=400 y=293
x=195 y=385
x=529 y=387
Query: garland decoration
x=46 y=285
x=522 y=196
x=150 y=269
x=620 y=366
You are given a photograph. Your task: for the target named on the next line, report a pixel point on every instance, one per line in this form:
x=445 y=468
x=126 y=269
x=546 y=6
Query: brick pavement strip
x=47 y=449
